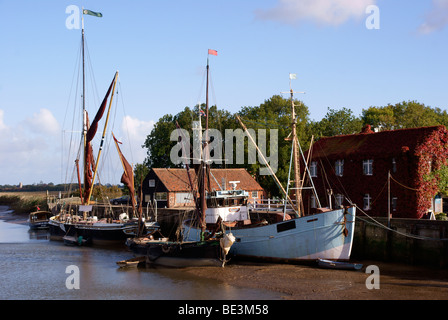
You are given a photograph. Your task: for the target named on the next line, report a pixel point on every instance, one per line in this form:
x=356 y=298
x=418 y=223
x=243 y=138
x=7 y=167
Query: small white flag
x=292 y=76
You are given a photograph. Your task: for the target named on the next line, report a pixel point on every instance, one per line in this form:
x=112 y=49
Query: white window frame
x=367 y=167
x=367 y=202
x=313 y=202
x=339 y=168
x=151 y=183
x=394 y=203
x=313 y=169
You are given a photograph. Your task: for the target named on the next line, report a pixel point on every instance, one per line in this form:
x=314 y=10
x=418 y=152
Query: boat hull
x=180 y=255
x=96 y=233
x=327 y=235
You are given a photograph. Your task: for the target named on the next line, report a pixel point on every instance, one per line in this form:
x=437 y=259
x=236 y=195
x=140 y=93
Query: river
x=35 y=268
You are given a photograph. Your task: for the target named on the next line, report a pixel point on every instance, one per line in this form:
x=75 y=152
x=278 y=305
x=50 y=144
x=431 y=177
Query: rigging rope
x=395 y=231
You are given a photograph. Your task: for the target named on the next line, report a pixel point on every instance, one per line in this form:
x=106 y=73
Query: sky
x=346 y=53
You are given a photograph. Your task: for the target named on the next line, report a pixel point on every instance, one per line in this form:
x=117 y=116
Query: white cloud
x=43 y=122
x=137 y=131
x=30 y=150
x=320 y=12
x=437 y=18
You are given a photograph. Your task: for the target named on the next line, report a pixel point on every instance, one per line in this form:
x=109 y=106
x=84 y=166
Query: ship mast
x=84 y=112
x=295 y=149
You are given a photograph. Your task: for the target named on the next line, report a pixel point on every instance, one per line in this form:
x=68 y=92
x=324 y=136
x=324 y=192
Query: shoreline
x=300 y=282
x=306 y=282
x=7 y=214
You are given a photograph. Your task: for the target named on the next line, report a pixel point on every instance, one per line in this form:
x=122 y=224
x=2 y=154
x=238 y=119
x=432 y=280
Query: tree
x=337 y=122
x=275 y=113
x=406 y=114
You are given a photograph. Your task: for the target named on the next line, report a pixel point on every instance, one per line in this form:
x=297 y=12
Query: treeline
x=33 y=187
x=275 y=113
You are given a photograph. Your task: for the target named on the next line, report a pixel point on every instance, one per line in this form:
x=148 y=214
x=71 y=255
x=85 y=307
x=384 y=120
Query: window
x=394 y=165
x=394 y=203
x=161 y=196
x=313 y=169
x=152 y=183
x=367 y=201
x=367 y=167
x=339 y=167
x=339 y=200
x=313 y=201
x=254 y=194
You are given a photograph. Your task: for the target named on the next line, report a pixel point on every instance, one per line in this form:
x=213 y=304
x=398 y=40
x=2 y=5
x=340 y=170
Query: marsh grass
x=24 y=202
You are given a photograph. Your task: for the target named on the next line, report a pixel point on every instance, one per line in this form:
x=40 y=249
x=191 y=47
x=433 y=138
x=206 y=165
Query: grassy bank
x=24 y=202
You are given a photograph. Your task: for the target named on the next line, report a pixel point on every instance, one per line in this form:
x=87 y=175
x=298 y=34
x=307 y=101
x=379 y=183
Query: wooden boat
x=329 y=264
x=133 y=262
x=39 y=220
x=209 y=249
x=94 y=221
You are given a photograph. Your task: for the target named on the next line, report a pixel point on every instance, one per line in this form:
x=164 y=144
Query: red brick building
x=356 y=167
x=171 y=187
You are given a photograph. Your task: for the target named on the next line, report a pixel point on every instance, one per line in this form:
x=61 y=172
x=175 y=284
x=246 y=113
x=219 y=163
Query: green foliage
x=337 y=122
x=407 y=114
x=275 y=113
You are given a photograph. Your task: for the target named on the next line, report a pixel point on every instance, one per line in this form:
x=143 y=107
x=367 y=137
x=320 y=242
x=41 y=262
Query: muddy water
x=33 y=267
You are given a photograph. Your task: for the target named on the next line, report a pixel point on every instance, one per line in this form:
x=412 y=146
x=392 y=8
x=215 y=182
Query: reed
x=24 y=202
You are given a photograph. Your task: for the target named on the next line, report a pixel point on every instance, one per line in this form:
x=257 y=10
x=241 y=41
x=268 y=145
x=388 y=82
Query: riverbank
x=293 y=282
x=298 y=282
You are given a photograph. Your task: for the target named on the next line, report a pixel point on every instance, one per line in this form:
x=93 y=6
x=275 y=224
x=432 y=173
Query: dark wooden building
x=355 y=168
x=171 y=187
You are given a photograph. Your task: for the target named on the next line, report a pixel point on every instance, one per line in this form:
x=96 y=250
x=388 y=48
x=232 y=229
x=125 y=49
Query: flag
x=292 y=76
x=202 y=113
x=213 y=52
x=92 y=13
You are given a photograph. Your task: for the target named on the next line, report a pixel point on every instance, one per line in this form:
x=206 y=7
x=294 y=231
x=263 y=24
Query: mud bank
x=297 y=282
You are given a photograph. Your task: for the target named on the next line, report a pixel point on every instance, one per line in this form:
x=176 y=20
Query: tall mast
x=84 y=112
x=295 y=149
x=203 y=160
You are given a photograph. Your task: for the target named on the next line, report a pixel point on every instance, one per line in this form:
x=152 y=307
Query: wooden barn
x=380 y=171
x=171 y=187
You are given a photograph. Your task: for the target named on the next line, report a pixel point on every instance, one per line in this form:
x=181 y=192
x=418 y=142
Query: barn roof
x=384 y=143
x=176 y=179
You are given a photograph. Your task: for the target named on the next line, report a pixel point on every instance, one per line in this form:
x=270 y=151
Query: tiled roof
x=176 y=179
x=384 y=143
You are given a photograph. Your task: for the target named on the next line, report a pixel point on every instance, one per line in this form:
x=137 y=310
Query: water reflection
x=33 y=267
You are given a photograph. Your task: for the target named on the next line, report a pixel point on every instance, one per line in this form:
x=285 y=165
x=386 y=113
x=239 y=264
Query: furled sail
x=88 y=152
x=128 y=175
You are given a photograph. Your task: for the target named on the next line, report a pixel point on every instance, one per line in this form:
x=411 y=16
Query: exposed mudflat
x=298 y=282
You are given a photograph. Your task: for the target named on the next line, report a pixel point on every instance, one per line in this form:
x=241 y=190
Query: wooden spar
x=267 y=164
x=102 y=139
x=297 y=191
x=79 y=179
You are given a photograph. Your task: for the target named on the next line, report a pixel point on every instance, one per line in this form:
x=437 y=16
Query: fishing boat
x=290 y=237
x=211 y=247
x=98 y=223
x=39 y=220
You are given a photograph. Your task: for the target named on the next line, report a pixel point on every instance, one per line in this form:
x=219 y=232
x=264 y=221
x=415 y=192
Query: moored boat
x=39 y=220
x=290 y=237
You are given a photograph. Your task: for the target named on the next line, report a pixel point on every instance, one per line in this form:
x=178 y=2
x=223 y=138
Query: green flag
x=92 y=13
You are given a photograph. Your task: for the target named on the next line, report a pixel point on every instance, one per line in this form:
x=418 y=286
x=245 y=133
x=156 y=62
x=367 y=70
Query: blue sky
x=160 y=49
